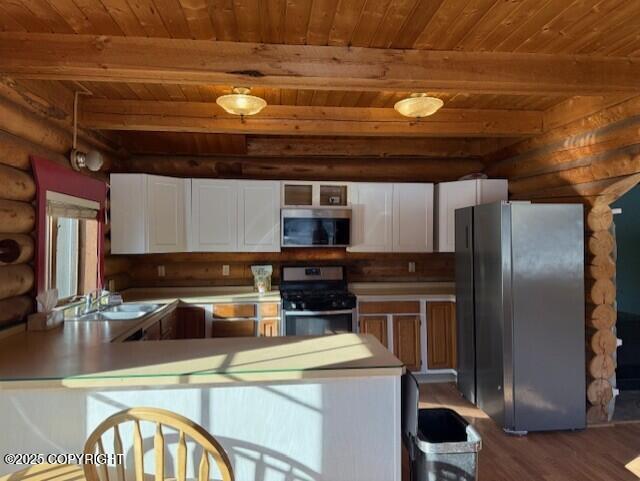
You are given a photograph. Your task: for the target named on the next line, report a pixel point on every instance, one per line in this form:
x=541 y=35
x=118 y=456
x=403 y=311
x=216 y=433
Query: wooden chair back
x=160 y=417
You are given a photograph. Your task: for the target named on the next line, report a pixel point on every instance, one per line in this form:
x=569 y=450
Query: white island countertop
x=30 y=361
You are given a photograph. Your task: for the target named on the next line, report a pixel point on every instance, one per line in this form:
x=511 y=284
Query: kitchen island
x=282 y=407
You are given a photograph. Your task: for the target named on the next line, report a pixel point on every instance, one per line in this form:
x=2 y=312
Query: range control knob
x=293 y=305
x=303 y=306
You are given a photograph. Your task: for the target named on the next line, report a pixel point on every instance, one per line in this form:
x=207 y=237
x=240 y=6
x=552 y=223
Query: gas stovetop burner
x=315 y=289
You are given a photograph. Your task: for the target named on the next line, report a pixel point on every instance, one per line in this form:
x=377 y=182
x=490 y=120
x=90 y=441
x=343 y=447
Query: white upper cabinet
x=167 y=212
x=127 y=203
x=214 y=208
x=258 y=216
x=371 y=229
x=455 y=195
x=298 y=193
x=413 y=217
x=149 y=213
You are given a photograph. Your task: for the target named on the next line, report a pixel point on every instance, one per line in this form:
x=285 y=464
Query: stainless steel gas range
x=316 y=301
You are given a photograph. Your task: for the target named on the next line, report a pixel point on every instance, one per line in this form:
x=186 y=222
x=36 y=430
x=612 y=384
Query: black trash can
x=442 y=445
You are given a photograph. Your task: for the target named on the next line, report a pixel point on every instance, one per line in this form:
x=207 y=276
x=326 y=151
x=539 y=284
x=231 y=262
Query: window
x=72 y=245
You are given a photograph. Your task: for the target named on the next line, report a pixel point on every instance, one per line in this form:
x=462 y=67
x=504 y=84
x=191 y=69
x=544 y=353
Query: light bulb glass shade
x=418 y=105
x=93 y=160
x=241 y=102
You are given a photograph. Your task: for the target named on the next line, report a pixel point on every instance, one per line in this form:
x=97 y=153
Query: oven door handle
x=318 y=313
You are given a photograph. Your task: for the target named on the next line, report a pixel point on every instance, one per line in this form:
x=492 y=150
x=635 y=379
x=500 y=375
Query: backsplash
x=207 y=269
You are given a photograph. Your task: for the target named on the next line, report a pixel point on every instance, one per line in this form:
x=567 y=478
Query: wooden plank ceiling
x=609 y=28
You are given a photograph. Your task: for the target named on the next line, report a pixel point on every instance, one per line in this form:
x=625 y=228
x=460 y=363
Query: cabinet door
x=406 y=341
x=372 y=211
x=449 y=197
x=376 y=326
x=413 y=217
x=441 y=335
x=127 y=213
x=191 y=322
x=492 y=190
x=166 y=213
x=259 y=216
x=214 y=215
x=269 y=327
x=153 y=332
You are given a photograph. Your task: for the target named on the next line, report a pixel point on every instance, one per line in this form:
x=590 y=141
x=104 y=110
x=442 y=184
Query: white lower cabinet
x=149 y=213
x=259 y=216
x=214 y=207
x=372 y=212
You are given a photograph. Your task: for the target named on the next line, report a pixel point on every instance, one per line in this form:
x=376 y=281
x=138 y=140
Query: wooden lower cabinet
x=169 y=325
x=269 y=327
x=229 y=311
x=441 y=335
x=153 y=332
x=376 y=326
x=236 y=328
x=190 y=322
x=406 y=340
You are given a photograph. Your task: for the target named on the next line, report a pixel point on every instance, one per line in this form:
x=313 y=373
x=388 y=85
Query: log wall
x=26 y=131
x=592 y=160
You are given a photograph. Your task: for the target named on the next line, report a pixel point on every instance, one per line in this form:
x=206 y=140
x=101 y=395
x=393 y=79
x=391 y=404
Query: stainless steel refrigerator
x=520 y=313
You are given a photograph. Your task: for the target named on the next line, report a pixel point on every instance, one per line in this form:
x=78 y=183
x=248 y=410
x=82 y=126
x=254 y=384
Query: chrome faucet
x=92 y=297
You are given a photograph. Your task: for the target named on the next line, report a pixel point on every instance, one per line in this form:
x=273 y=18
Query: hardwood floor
x=595 y=454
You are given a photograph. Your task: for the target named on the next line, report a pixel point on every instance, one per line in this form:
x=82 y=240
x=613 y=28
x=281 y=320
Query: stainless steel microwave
x=316 y=227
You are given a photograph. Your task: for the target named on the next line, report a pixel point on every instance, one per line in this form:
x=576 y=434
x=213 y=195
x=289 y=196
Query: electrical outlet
x=225 y=269
x=412 y=266
x=111 y=285
x=161 y=271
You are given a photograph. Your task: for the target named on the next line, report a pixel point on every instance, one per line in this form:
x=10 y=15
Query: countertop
x=429 y=290
x=84 y=354
x=239 y=294
x=34 y=362
x=200 y=295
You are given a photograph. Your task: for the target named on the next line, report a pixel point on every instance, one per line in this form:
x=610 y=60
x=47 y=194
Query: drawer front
x=243 y=328
x=229 y=311
x=389 y=307
x=269 y=309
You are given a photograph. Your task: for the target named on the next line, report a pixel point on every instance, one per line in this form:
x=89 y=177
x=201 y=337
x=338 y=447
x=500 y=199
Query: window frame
x=51 y=176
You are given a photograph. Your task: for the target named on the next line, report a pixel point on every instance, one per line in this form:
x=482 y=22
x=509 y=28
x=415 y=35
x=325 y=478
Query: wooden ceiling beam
x=288 y=146
x=400 y=169
x=159 y=60
x=147 y=115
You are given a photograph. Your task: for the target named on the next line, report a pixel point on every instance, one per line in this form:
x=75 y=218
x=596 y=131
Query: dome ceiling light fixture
x=241 y=102
x=418 y=105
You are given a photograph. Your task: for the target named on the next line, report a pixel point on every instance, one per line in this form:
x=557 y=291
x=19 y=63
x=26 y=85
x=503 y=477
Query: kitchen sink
x=122 y=315
x=122 y=312
x=134 y=308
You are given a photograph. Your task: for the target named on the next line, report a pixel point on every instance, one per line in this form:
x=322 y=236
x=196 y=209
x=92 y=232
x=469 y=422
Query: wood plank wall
x=593 y=160
x=24 y=131
x=205 y=269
